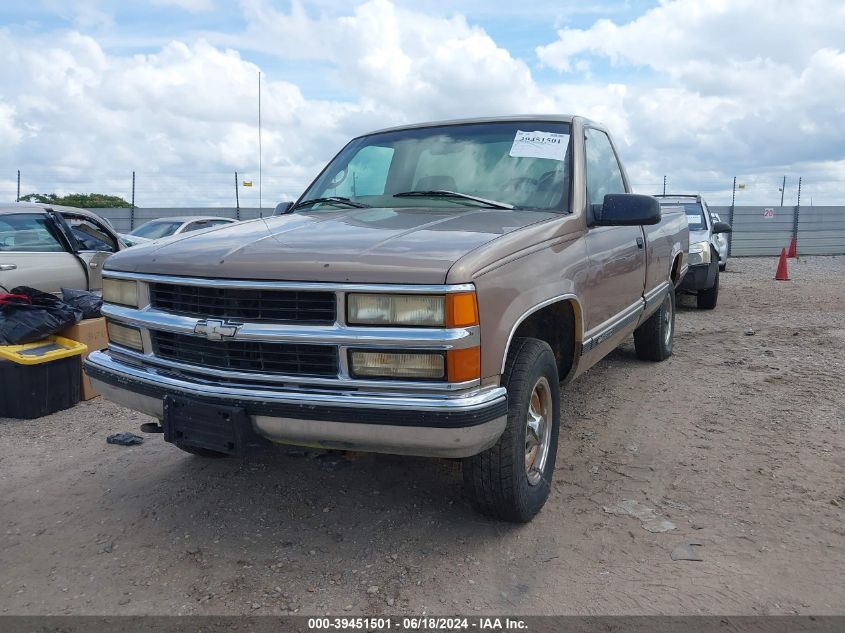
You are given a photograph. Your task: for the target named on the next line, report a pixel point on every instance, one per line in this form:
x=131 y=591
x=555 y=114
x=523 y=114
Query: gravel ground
x=737 y=441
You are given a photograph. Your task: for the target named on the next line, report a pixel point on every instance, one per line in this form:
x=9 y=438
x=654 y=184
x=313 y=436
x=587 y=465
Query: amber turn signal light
x=461 y=310
x=463 y=364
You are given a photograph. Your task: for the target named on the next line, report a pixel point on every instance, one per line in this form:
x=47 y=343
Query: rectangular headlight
x=120 y=291
x=425 y=310
x=452 y=310
x=430 y=365
x=125 y=336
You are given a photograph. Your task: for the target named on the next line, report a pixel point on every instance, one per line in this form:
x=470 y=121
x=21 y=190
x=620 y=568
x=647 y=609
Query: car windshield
x=695 y=214
x=155 y=230
x=519 y=164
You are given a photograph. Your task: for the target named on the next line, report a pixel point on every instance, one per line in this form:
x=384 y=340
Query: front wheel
x=512 y=480
x=706 y=299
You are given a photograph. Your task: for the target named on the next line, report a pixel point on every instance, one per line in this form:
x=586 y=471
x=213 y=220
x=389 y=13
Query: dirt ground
x=737 y=440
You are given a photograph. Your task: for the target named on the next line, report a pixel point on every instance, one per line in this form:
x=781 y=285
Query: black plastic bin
x=43 y=378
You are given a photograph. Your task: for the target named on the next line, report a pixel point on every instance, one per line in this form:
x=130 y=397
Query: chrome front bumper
x=435 y=425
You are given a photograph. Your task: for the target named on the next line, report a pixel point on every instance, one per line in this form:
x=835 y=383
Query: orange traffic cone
x=791 y=253
x=781 y=274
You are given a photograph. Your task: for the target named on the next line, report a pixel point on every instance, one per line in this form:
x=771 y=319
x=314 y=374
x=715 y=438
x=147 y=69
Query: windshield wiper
x=442 y=193
x=340 y=200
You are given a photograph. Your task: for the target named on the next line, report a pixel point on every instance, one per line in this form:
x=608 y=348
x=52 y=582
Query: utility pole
x=132 y=208
x=664 y=185
x=260 y=208
x=731 y=216
x=782 y=190
x=237 y=199
x=796 y=214
x=18 y=199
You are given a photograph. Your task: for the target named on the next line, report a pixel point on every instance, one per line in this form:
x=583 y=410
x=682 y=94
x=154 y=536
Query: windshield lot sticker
x=539 y=145
x=693 y=219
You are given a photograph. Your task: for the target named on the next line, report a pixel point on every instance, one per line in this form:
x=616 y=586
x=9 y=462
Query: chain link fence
x=759 y=229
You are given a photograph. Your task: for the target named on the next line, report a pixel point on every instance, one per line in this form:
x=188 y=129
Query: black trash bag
x=22 y=322
x=87 y=302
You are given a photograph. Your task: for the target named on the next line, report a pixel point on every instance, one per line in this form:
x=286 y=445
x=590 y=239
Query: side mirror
x=722 y=227
x=282 y=208
x=628 y=209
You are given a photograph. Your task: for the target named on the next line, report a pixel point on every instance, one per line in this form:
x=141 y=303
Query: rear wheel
x=706 y=299
x=655 y=338
x=512 y=480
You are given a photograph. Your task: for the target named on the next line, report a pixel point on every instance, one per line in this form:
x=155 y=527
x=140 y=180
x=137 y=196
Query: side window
x=218 y=222
x=603 y=173
x=196 y=226
x=365 y=175
x=25 y=233
x=90 y=235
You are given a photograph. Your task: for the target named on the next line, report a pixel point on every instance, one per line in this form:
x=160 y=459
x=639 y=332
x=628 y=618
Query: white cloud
x=714 y=89
x=745 y=85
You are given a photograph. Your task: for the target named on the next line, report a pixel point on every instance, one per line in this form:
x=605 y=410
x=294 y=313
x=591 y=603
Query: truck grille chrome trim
x=334 y=334
x=259 y=284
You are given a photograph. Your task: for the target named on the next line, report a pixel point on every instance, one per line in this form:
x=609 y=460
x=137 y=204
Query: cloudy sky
x=91 y=90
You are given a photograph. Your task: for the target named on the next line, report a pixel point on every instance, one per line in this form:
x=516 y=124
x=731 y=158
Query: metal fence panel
x=821 y=231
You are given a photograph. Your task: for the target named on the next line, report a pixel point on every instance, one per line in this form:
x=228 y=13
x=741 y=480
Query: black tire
x=497 y=480
x=706 y=299
x=655 y=338
x=201 y=452
x=723 y=267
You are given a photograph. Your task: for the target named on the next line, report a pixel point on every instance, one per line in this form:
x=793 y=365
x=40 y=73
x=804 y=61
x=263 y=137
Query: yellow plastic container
x=44 y=351
x=40 y=378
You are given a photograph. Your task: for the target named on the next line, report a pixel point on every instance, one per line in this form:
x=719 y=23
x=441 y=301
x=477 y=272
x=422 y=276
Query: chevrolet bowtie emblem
x=215 y=330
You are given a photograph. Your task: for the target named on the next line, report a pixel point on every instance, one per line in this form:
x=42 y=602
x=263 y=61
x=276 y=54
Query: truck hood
x=378 y=245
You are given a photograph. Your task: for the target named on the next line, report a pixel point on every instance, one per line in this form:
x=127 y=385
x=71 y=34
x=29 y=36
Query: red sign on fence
x=768 y=213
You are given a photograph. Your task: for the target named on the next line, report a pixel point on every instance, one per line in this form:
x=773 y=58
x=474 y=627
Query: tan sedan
x=50 y=247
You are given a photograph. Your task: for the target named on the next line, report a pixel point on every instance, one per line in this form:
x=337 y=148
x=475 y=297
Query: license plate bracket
x=215 y=427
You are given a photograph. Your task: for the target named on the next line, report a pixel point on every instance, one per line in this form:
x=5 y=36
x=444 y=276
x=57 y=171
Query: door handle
x=92 y=264
x=8 y=266
x=639 y=242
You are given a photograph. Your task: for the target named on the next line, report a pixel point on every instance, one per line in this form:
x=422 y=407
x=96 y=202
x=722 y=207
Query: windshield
x=155 y=230
x=524 y=164
x=695 y=214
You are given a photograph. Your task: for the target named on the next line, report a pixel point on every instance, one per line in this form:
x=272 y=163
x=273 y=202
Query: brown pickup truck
x=426 y=295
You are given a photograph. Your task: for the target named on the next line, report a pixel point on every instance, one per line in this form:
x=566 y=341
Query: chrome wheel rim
x=667 y=320
x=538 y=431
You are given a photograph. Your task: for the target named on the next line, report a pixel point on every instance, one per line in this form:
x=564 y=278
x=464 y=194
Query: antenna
x=260 y=206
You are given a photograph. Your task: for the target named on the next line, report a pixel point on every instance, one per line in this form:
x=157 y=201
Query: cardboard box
x=93 y=333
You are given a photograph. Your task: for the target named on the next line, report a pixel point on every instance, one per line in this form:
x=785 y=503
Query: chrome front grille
x=306 y=307
x=293 y=359
x=272 y=333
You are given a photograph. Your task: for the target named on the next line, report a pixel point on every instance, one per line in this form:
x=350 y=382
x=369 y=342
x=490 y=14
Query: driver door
x=96 y=244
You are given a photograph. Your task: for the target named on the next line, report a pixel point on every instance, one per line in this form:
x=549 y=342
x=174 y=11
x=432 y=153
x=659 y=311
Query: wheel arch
x=557 y=321
x=675 y=271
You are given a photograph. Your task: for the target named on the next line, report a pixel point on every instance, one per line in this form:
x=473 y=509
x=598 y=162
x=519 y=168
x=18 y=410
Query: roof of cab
x=548 y=118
